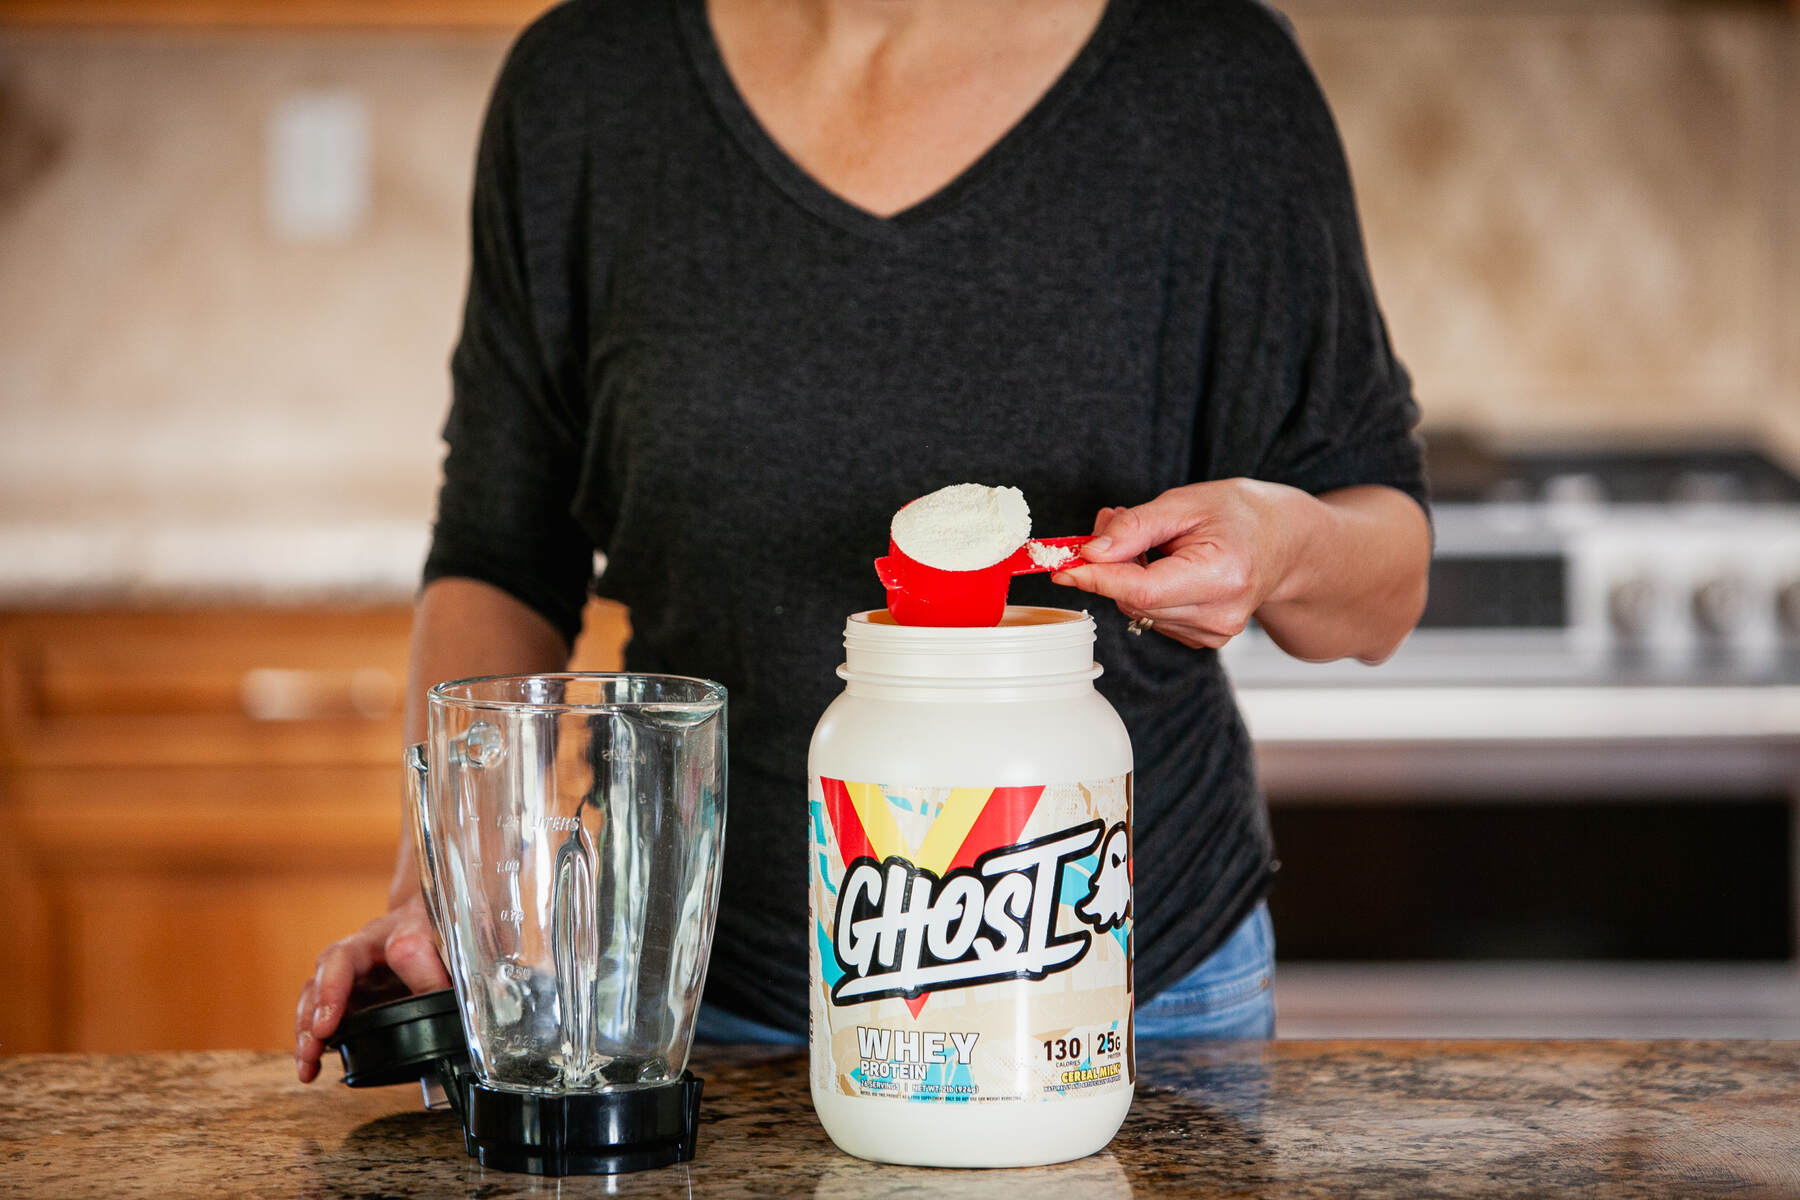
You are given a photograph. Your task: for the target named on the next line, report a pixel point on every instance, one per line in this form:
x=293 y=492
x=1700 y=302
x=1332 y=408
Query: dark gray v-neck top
x=681 y=350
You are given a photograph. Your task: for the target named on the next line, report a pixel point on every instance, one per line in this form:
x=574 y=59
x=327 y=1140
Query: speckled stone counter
x=1290 y=1118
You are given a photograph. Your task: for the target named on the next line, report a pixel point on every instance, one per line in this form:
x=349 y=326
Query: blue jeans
x=717 y=1025
x=1231 y=994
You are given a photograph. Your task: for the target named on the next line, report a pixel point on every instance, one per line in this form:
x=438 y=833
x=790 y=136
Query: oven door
x=1533 y=860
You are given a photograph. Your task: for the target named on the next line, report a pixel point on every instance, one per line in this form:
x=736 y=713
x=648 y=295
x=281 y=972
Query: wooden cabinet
x=192 y=803
x=275 y=14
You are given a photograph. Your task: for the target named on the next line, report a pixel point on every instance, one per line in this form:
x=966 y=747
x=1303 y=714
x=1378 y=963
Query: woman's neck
x=886 y=101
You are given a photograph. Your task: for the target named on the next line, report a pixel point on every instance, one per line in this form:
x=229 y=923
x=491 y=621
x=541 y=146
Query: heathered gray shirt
x=681 y=350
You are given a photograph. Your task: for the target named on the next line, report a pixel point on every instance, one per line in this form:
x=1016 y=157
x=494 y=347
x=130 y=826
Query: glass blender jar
x=569 y=830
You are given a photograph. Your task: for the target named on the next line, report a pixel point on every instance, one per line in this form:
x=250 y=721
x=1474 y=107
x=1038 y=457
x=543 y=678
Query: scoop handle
x=1022 y=563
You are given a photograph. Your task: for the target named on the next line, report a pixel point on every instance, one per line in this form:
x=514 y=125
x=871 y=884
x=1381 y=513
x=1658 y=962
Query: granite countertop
x=1285 y=1118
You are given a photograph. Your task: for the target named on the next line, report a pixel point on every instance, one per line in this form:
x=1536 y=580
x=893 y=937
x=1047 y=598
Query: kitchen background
x=231 y=261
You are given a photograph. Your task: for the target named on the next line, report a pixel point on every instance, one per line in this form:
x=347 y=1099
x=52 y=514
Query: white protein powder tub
x=971 y=896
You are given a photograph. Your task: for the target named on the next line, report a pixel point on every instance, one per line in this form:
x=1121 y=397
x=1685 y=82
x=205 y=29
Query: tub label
x=973 y=943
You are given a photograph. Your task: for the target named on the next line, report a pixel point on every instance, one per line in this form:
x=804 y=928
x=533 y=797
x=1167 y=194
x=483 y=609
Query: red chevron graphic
x=853 y=842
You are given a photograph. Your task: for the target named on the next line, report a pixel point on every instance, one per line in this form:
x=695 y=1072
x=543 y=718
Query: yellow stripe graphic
x=877 y=820
x=953 y=823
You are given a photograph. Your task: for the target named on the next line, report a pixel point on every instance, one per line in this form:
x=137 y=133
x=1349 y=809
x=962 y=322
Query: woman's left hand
x=1340 y=573
x=1224 y=555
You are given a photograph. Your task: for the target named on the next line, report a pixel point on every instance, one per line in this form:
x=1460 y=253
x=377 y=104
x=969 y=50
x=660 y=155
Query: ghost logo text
x=900 y=930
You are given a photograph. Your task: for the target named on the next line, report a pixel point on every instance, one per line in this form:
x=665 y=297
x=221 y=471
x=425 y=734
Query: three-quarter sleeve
x=1302 y=386
x=516 y=425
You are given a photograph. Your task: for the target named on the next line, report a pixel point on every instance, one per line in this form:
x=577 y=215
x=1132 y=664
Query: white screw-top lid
x=1028 y=644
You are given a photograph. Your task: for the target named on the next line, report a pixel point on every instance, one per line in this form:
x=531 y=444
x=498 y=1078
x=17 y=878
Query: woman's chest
x=724 y=347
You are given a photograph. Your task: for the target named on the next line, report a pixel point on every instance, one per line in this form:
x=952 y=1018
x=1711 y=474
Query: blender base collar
x=582 y=1133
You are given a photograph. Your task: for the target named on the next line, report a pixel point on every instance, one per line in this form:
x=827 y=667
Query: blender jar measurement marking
x=611 y=755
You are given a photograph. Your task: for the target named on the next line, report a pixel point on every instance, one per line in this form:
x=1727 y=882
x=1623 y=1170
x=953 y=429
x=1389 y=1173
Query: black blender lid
x=400 y=1041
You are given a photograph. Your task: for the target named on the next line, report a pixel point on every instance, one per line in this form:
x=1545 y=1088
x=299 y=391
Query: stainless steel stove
x=1635 y=567
x=1583 y=766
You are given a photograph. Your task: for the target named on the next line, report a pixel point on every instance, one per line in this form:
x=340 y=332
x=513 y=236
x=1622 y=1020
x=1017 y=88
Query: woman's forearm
x=463 y=628
x=1355 y=580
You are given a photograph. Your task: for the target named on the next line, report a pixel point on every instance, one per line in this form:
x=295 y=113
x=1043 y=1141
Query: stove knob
x=1787 y=608
x=1719 y=606
x=1631 y=605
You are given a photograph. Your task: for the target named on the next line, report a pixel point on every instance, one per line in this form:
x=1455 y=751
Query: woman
x=750 y=274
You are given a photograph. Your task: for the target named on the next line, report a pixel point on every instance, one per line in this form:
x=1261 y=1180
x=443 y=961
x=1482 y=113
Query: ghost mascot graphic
x=901 y=930
x=1108 y=901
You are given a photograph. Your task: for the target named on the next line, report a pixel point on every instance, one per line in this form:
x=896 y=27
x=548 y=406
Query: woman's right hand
x=394 y=954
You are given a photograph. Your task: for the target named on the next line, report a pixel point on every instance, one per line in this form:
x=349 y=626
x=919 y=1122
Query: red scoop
x=922 y=595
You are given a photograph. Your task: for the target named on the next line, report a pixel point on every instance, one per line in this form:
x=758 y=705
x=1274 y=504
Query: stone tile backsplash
x=159 y=344
x=1582 y=217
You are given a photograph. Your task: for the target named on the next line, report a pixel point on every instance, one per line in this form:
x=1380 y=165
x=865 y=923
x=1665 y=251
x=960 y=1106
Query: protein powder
x=963 y=527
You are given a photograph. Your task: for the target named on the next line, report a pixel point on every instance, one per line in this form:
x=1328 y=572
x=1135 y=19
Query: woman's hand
x=390 y=956
x=1223 y=554
x=1338 y=574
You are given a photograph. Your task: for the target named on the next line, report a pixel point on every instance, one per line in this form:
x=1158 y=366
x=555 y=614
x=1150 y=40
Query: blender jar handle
x=418 y=780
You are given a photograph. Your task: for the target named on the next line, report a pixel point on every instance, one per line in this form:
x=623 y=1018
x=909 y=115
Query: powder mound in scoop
x=963 y=527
